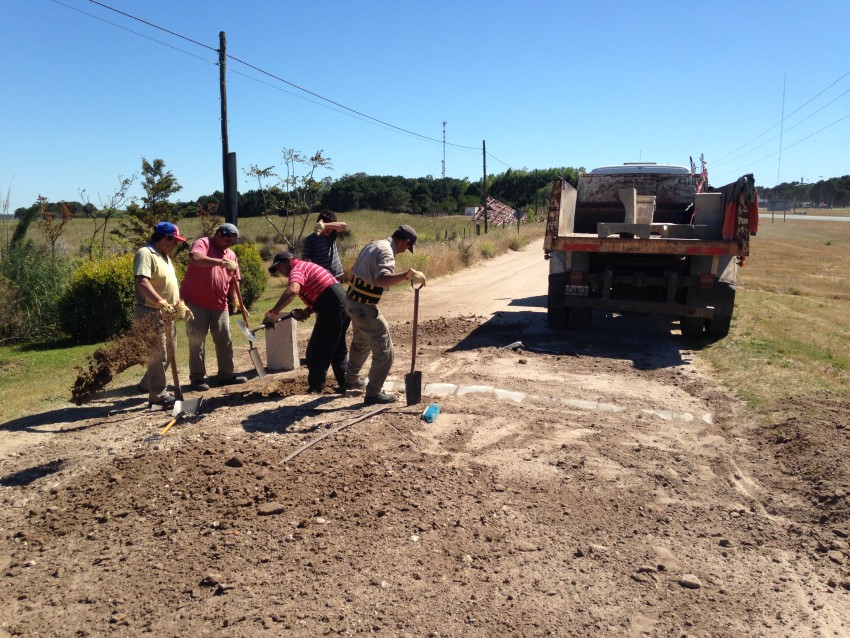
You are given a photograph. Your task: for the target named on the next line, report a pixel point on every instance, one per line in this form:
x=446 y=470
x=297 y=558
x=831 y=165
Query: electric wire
x=791 y=114
x=790 y=128
x=361 y=115
x=738 y=171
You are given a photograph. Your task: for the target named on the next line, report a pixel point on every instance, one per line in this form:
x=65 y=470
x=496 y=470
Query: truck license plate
x=577 y=291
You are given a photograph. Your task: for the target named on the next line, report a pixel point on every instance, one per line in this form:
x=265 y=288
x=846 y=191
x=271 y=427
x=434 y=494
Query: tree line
x=526 y=189
x=834 y=192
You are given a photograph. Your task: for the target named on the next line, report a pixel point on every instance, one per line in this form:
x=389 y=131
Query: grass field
x=790 y=332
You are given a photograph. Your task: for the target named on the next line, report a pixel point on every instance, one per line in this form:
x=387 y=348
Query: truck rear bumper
x=631 y=306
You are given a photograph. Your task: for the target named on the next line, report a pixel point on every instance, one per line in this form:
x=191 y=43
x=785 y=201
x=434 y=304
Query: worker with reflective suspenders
x=373 y=271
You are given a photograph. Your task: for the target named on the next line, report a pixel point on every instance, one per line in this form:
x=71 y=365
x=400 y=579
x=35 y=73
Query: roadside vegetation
x=36 y=375
x=790 y=333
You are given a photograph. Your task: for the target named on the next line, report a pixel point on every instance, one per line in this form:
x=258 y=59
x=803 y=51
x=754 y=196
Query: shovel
x=187 y=407
x=168 y=325
x=251 y=336
x=181 y=406
x=413 y=381
x=253 y=353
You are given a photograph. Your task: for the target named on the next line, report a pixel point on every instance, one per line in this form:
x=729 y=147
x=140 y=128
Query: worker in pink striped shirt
x=324 y=296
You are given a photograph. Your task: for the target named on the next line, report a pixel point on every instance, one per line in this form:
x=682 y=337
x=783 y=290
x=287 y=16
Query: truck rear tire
x=691 y=327
x=558 y=318
x=580 y=318
x=718 y=326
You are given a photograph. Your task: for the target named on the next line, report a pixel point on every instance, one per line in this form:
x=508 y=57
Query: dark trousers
x=327 y=343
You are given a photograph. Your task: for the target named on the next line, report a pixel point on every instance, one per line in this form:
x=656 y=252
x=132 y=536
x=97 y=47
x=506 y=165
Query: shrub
x=253 y=272
x=466 y=252
x=36 y=285
x=517 y=242
x=98 y=303
x=488 y=250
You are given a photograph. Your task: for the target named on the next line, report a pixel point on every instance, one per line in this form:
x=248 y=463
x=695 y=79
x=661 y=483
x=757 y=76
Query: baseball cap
x=228 y=229
x=283 y=254
x=406 y=232
x=167 y=228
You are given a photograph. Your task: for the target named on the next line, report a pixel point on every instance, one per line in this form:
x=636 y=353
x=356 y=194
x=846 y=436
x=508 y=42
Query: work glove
x=417 y=279
x=319 y=228
x=230 y=265
x=182 y=312
x=234 y=307
x=163 y=305
x=300 y=314
x=270 y=319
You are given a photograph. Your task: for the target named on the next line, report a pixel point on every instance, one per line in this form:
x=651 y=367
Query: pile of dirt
x=115 y=356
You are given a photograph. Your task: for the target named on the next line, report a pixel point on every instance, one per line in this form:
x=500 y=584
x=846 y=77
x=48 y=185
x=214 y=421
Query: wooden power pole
x=229 y=214
x=484 y=189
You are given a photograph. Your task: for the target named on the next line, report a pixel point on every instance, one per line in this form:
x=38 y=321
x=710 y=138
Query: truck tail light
x=706 y=280
x=576 y=278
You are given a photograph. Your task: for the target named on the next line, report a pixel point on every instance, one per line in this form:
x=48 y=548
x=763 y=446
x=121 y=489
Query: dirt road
x=594 y=484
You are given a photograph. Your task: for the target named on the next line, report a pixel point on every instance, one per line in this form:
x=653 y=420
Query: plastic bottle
x=431 y=413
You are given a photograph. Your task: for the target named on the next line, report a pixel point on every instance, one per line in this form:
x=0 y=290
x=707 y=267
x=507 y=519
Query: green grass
x=790 y=333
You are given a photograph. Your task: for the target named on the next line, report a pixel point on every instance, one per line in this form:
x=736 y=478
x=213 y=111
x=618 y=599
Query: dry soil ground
x=593 y=484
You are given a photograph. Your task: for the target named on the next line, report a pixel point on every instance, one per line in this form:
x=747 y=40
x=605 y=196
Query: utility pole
x=820 y=193
x=444 y=149
x=484 y=188
x=781 y=130
x=222 y=81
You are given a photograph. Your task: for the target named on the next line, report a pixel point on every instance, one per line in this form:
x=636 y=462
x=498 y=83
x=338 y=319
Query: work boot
x=360 y=384
x=233 y=380
x=200 y=386
x=164 y=401
x=384 y=397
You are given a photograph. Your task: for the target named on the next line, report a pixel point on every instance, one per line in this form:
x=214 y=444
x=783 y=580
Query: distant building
x=499 y=214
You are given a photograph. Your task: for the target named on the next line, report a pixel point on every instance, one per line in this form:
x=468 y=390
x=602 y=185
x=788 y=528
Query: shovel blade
x=187 y=406
x=246 y=331
x=413 y=387
x=257 y=361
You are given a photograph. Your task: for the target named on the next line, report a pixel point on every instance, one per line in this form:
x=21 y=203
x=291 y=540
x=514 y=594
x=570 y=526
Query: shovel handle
x=241 y=303
x=168 y=326
x=168 y=427
x=415 y=326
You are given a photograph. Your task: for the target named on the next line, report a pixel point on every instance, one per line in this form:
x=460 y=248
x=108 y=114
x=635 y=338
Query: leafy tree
x=158 y=185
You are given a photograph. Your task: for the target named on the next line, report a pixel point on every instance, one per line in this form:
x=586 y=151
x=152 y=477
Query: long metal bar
x=341 y=426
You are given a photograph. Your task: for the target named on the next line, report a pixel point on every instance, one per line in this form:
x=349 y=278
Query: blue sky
x=88 y=92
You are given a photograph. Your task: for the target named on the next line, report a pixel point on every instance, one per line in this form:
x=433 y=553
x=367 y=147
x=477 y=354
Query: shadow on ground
x=30 y=474
x=647 y=341
x=39 y=423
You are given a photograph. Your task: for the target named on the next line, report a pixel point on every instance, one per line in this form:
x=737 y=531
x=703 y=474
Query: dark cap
x=283 y=254
x=228 y=230
x=405 y=232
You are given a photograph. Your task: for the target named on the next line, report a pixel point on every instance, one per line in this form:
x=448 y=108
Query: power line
x=790 y=128
x=119 y=26
x=773 y=126
x=738 y=170
x=360 y=114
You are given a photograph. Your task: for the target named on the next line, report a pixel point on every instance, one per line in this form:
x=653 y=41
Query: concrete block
x=282 y=346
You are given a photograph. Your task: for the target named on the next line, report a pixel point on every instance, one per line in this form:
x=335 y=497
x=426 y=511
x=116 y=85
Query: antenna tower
x=444 y=149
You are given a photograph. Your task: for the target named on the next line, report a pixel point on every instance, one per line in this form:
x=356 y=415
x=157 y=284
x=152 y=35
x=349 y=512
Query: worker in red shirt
x=209 y=284
x=324 y=296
